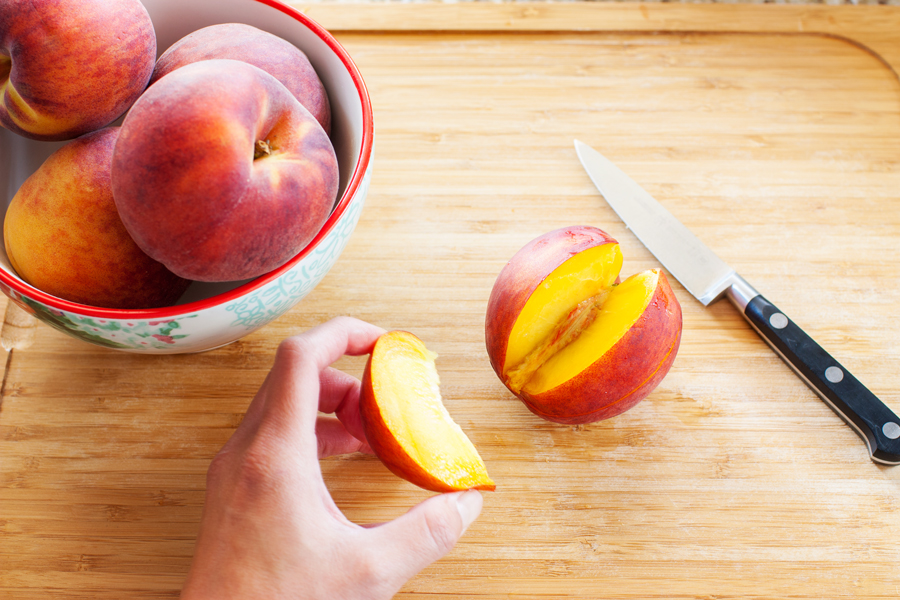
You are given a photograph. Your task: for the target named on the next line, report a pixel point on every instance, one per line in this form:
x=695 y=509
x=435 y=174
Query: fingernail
x=469 y=505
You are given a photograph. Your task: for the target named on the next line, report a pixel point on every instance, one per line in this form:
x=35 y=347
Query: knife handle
x=875 y=423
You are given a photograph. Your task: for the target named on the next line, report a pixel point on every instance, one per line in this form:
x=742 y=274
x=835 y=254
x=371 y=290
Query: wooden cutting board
x=773 y=132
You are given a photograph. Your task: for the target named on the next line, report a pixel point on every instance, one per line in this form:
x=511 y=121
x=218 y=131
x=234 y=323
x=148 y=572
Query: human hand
x=270 y=529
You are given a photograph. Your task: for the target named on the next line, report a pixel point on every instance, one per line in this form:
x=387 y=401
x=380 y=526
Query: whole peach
x=63 y=234
x=274 y=55
x=221 y=174
x=68 y=67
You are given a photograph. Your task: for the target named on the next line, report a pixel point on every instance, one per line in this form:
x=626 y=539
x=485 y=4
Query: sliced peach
x=407 y=424
x=568 y=339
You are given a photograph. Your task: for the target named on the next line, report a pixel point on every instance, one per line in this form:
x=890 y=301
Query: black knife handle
x=875 y=423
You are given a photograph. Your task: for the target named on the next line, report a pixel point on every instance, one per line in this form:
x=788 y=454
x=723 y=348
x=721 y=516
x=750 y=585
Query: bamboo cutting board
x=773 y=132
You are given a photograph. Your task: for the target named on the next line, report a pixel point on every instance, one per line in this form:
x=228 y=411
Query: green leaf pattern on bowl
x=160 y=334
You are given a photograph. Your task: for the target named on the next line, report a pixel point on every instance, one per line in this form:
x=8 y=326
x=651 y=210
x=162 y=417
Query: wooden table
x=773 y=132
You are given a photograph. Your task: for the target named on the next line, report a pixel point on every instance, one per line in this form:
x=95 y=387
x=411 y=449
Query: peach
x=274 y=55
x=406 y=423
x=221 y=174
x=68 y=67
x=63 y=234
x=569 y=339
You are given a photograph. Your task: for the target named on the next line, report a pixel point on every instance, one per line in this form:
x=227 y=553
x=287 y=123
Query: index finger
x=295 y=387
x=327 y=342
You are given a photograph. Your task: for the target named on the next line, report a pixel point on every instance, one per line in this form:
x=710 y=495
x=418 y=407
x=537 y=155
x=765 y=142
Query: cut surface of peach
x=588 y=274
x=574 y=317
x=408 y=425
x=615 y=316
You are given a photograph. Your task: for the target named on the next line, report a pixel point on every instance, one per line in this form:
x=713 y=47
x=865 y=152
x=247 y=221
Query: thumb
x=427 y=532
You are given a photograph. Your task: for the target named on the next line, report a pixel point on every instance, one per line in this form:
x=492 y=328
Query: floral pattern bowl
x=212 y=315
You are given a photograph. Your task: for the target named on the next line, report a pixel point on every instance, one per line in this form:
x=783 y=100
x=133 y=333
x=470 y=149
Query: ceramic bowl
x=211 y=315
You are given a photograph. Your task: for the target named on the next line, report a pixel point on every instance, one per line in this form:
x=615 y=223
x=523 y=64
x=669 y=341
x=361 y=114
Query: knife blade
x=708 y=278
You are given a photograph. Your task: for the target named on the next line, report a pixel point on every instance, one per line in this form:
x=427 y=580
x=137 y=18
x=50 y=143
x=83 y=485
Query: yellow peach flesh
x=569 y=328
x=407 y=384
x=621 y=310
x=585 y=275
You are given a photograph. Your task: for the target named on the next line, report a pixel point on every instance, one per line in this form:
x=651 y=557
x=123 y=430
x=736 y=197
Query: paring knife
x=708 y=278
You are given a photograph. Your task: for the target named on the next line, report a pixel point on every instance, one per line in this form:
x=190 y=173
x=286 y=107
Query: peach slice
x=570 y=340
x=406 y=423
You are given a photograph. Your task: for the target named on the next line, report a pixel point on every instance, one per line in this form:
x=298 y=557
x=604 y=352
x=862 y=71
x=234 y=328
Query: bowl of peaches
x=176 y=173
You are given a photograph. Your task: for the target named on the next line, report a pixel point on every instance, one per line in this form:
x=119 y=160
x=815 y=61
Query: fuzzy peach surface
x=71 y=67
x=221 y=174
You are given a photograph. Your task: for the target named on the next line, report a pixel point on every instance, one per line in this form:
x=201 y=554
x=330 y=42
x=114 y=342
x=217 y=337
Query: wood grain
x=780 y=149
